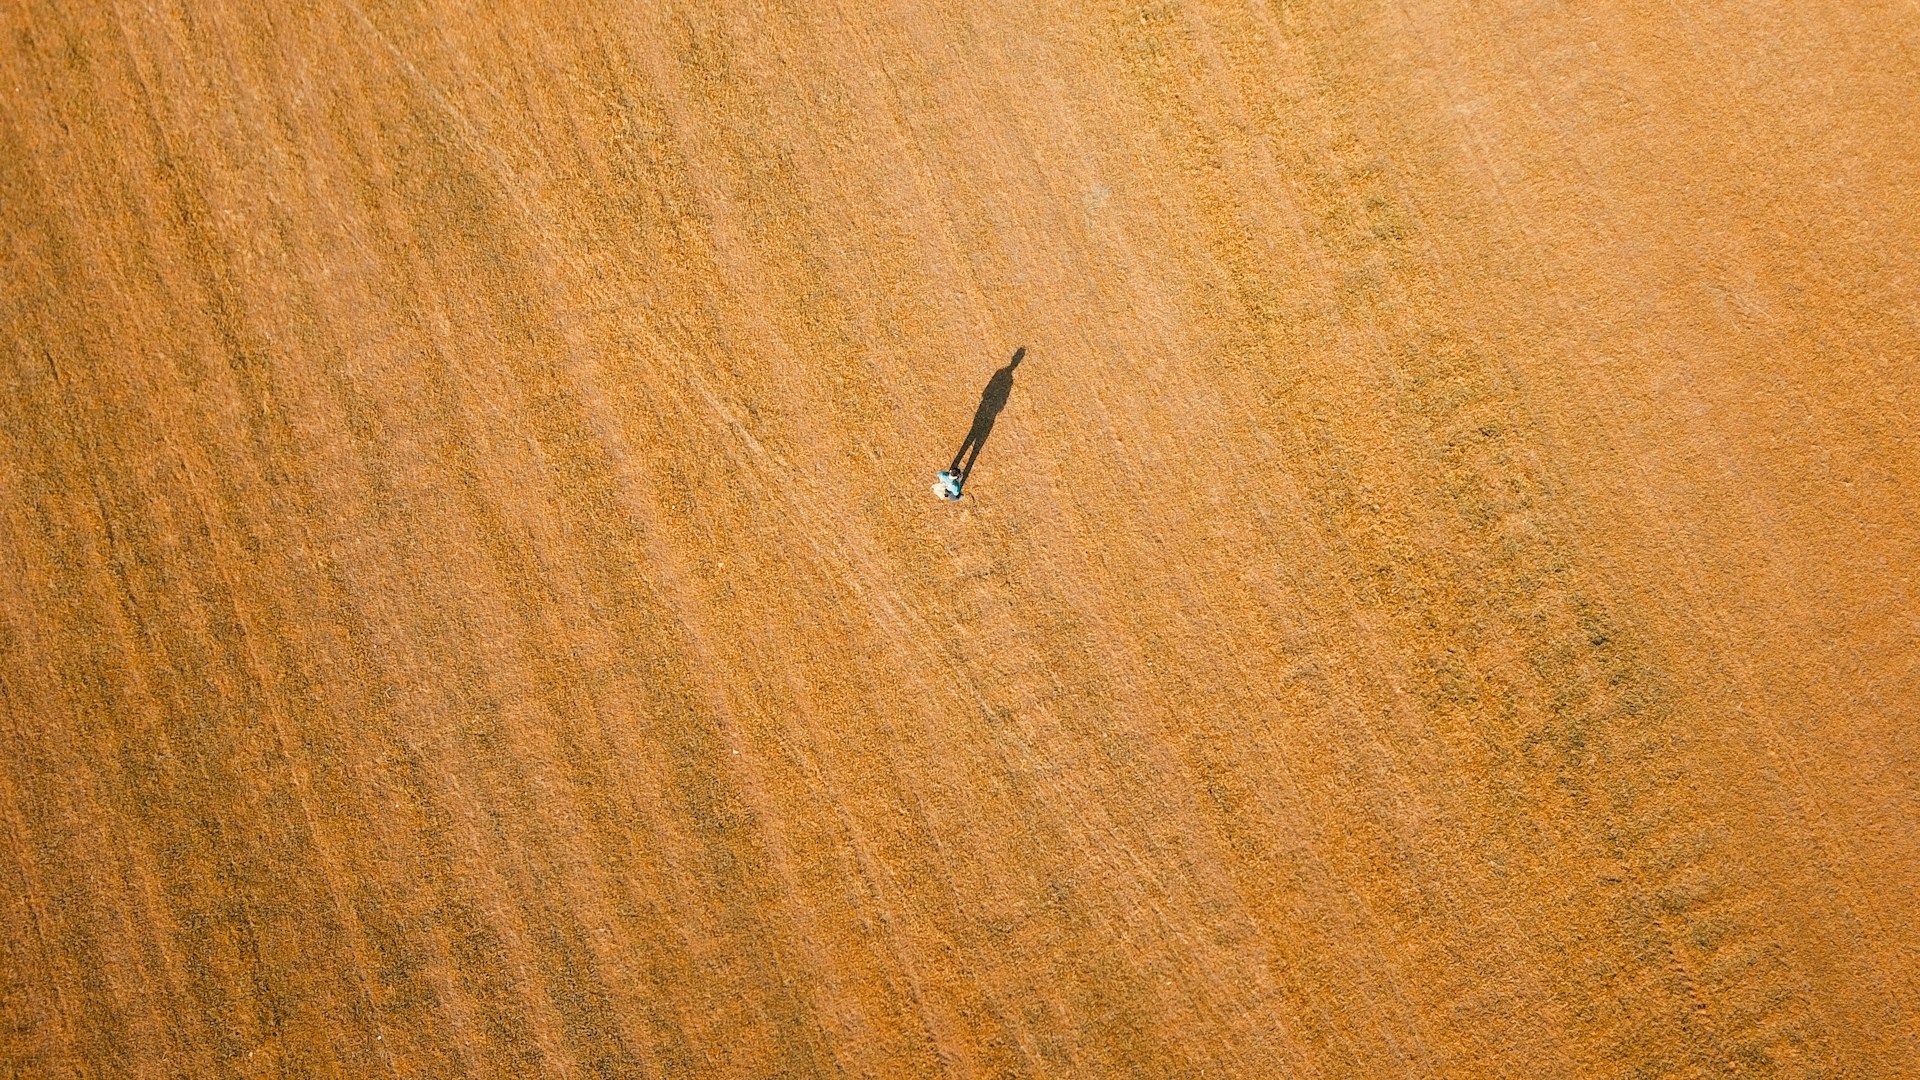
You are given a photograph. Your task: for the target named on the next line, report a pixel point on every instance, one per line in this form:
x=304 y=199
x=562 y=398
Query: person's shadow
x=992 y=400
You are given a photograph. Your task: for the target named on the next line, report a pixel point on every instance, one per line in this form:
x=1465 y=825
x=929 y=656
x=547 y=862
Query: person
x=947 y=486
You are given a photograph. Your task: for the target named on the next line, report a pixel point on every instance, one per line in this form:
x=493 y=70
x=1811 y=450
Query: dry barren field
x=1438 y=602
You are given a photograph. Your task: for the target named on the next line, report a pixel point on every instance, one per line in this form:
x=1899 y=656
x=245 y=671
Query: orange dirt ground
x=1439 y=601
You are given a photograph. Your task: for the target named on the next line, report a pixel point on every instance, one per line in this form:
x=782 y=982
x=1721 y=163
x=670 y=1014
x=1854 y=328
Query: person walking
x=953 y=481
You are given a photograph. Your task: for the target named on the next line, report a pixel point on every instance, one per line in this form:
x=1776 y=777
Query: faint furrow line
x=891 y=604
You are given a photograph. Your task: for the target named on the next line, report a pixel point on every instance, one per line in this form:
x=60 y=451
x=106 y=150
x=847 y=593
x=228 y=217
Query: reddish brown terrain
x=1439 y=601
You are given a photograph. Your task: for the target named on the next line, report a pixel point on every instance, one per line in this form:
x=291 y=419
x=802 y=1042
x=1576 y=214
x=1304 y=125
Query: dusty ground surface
x=1439 y=600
